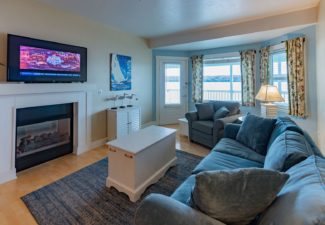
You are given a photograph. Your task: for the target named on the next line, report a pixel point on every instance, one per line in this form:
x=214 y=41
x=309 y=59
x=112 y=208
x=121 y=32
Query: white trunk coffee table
x=140 y=159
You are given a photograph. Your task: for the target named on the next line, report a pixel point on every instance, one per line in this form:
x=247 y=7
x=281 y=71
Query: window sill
x=283 y=108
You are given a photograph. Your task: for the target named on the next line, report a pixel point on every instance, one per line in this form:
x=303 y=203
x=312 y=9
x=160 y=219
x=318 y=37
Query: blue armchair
x=207 y=131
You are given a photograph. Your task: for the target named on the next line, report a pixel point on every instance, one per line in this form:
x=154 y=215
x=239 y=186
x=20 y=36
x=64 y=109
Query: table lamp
x=268 y=94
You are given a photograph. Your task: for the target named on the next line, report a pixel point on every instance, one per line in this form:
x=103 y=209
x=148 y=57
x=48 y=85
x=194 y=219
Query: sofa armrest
x=191 y=116
x=231 y=130
x=158 y=209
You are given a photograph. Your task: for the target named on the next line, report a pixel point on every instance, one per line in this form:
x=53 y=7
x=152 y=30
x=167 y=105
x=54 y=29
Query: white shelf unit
x=122 y=122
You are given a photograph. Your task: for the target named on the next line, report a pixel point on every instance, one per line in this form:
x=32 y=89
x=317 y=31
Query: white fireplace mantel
x=16 y=95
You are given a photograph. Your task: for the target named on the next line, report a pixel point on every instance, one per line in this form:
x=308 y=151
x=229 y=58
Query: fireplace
x=43 y=133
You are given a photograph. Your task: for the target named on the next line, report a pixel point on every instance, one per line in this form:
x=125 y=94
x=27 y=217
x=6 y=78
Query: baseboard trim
x=98 y=143
x=149 y=124
x=7 y=176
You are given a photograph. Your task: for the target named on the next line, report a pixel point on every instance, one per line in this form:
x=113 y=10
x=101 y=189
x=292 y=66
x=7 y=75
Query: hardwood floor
x=14 y=212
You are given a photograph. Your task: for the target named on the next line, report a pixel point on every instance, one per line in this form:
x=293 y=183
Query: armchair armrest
x=220 y=124
x=158 y=209
x=191 y=116
x=231 y=130
x=229 y=119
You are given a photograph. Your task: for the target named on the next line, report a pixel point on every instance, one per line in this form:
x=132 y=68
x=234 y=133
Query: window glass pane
x=279 y=73
x=236 y=69
x=222 y=81
x=275 y=68
x=284 y=67
x=172 y=84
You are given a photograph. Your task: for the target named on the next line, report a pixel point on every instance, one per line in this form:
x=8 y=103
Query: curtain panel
x=248 y=77
x=197 y=78
x=264 y=66
x=296 y=76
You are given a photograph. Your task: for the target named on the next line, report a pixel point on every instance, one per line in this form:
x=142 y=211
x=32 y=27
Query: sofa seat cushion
x=302 y=200
x=221 y=161
x=236 y=197
x=203 y=126
x=283 y=124
x=233 y=147
x=183 y=192
x=255 y=133
x=287 y=150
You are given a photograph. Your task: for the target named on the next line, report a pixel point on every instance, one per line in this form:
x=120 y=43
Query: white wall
x=320 y=40
x=38 y=20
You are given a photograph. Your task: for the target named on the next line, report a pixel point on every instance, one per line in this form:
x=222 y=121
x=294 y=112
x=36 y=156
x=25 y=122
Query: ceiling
x=154 y=18
x=250 y=38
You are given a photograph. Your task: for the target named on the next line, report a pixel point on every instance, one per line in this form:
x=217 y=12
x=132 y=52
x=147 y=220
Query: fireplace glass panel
x=42 y=136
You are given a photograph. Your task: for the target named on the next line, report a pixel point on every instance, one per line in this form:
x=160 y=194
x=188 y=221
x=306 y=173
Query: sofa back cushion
x=205 y=111
x=232 y=106
x=313 y=145
x=255 y=133
x=283 y=124
x=287 y=150
x=236 y=196
x=302 y=200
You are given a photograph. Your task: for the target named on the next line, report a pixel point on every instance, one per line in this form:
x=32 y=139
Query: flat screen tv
x=39 y=61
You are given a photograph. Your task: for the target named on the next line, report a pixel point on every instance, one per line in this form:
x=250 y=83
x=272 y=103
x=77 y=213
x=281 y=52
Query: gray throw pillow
x=287 y=150
x=255 y=133
x=221 y=113
x=236 y=197
x=205 y=111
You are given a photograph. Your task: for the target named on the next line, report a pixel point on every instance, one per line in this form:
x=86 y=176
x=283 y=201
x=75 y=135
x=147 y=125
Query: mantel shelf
x=38 y=88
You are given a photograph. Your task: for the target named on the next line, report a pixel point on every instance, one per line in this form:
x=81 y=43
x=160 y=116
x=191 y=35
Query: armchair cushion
x=255 y=133
x=205 y=126
x=236 y=197
x=221 y=113
x=205 y=111
x=232 y=106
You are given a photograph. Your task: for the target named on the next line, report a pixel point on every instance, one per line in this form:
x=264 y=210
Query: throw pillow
x=288 y=149
x=255 y=133
x=221 y=113
x=236 y=197
x=205 y=111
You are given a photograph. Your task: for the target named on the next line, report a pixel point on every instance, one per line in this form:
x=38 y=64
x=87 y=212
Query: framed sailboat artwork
x=120 y=72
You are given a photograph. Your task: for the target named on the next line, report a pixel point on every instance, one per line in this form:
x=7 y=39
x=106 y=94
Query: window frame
x=230 y=59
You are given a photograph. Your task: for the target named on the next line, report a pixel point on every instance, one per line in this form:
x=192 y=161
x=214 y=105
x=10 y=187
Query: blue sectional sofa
x=300 y=202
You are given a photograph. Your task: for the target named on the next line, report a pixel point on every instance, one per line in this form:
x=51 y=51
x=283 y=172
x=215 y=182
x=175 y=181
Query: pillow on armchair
x=221 y=113
x=205 y=111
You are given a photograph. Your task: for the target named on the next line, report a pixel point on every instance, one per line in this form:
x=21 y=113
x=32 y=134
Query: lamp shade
x=269 y=93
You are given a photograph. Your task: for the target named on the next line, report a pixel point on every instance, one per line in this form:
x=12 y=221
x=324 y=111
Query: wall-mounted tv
x=38 y=61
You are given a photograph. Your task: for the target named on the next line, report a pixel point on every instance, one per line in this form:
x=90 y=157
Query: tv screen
x=33 y=60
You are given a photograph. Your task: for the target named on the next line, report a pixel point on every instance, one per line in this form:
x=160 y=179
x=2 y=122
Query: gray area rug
x=83 y=198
